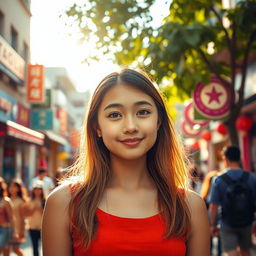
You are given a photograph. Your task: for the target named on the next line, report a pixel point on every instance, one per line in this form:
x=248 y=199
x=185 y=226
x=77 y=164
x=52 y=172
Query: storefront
x=18 y=149
x=18 y=143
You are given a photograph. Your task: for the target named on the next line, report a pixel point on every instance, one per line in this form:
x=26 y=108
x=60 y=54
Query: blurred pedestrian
x=34 y=211
x=17 y=194
x=48 y=184
x=7 y=228
x=235 y=192
x=131 y=196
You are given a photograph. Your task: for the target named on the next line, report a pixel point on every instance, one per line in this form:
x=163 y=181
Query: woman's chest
x=127 y=236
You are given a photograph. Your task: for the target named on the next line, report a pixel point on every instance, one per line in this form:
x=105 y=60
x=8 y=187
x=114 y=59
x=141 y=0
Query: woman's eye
x=114 y=115
x=143 y=112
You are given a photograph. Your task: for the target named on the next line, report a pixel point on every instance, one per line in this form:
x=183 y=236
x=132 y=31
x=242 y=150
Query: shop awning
x=23 y=133
x=56 y=137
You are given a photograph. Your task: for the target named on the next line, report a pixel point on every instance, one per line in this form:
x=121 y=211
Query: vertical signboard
x=35 y=86
x=62 y=116
x=23 y=115
x=42 y=119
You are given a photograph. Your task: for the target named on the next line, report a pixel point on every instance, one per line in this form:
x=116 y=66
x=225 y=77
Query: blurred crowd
x=21 y=210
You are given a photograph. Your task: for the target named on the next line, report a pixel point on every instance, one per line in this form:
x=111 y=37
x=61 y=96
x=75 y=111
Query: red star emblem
x=214 y=95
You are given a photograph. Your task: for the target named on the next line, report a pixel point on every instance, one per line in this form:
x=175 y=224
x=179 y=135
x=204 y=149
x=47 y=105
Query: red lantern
x=244 y=123
x=222 y=129
x=195 y=145
x=206 y=135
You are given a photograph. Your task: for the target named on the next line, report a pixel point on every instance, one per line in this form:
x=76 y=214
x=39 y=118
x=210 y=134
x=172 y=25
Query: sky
x=52 y=46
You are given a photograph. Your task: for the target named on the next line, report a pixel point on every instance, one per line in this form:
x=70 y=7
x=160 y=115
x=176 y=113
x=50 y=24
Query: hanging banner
x=211 y=101
x=189 y=116
x=35 y=86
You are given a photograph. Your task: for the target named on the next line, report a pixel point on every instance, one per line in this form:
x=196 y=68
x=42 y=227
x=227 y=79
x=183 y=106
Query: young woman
x=34 y=210
x=129 y=194
x=7 y=229
x=16 y=192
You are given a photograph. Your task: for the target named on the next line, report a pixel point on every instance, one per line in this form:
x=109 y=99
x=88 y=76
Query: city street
x=128 y=107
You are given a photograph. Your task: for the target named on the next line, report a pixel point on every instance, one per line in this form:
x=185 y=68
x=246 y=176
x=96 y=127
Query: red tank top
x=118 y=236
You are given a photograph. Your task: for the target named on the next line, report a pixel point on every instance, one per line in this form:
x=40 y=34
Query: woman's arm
x=199 y=240
x=56 y=236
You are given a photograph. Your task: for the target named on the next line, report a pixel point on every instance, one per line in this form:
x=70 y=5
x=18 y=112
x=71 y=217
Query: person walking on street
x=235 y=192
x=205 y=194
x=16 y=192
x=7 y=227
x=129 y=195
x=48 y=184
x=34 y=211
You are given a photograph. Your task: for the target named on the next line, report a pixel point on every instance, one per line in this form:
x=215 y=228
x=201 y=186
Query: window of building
x=14 y=38
x=25 y=51
x=1 y=23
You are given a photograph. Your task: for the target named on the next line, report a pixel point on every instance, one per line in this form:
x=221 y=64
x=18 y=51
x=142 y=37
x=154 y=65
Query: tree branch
x=233 y=65
x=222 y=26
x=212 y=68
x=245 y=65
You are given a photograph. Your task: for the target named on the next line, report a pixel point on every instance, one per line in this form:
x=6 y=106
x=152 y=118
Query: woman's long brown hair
x=165 y=163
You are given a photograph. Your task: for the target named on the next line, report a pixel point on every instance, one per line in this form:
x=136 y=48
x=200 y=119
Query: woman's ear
x=99 y=134
x=159 y=122
x=97 y=129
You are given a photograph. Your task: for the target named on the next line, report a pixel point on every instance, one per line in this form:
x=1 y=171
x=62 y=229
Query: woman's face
x=13 y=189
x=38 y=192
x=127 y=122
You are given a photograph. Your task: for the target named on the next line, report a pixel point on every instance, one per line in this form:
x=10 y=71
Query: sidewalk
x=214 y=250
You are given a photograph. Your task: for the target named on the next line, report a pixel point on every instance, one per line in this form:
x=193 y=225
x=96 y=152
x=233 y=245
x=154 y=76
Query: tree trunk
x=232 y=131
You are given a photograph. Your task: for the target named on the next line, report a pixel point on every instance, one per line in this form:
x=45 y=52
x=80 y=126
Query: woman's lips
x=132 y=142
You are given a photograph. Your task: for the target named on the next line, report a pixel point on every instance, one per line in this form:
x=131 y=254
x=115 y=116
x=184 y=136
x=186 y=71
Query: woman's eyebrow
x=118 y=105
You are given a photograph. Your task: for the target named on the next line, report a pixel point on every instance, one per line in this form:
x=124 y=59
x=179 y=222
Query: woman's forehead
x=123 y=93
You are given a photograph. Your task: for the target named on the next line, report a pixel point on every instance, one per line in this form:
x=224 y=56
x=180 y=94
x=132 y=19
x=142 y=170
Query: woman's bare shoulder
x=194 y=200
x=61 y=195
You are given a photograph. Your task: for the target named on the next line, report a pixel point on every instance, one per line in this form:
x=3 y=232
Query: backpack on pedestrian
x=238 y=207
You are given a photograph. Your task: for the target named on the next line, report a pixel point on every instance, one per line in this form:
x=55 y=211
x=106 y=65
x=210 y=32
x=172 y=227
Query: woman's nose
x=130 y=125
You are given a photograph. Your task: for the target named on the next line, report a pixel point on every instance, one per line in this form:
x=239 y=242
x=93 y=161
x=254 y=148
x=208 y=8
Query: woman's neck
x=129 y=175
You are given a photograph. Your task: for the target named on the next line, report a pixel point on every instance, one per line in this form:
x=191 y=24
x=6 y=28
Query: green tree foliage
x=177 y=49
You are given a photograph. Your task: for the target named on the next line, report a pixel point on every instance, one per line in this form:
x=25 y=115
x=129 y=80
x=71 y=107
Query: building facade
x=19 y=144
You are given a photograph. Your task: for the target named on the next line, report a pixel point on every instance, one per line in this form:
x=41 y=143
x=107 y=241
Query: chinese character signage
x=42 y=119
x=62 y=116
x=35 y=86
x=23 y=116
x=8 y=107
x=47 y=102
x=11 y=59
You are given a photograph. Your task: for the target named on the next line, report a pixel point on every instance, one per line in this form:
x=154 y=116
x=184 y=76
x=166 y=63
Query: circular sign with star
x=189 y=116
x=212 y=100
x=189 y=131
